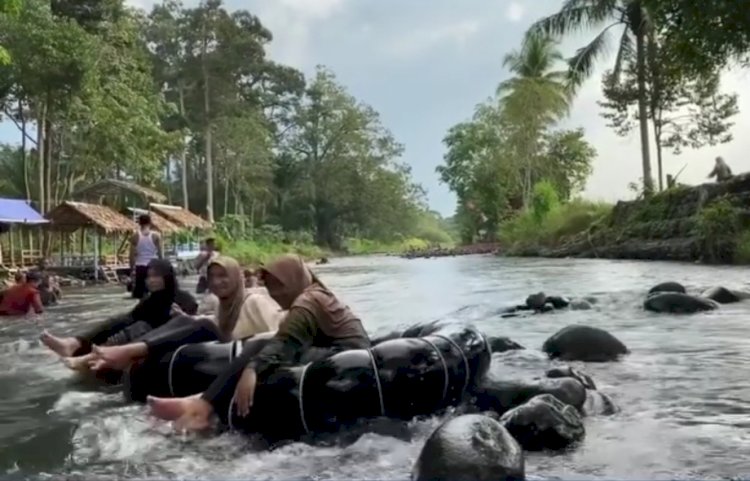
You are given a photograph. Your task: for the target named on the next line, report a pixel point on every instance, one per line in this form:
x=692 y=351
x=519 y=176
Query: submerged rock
x=668 y=287
x=502 y=395
x=472 y=447
x=678 y=303
x=567 y=371
x=536 y=301
x=722 y=295
x=558 y=302
x=580 y=305
x=544 y=422
x=584 y=343
x=502 y=344
x=599 y=404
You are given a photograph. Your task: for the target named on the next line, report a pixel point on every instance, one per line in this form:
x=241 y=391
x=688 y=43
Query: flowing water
x=684 y=391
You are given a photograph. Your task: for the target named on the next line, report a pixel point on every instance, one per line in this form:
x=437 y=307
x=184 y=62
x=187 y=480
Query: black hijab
x=156 y=307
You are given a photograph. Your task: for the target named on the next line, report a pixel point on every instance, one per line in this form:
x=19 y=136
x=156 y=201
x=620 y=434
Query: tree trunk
x=657 y=142
x=42 y=121
x=48 y=138
x=648 y=181
x=207 y=133
x=24 y=157
x=183 y=159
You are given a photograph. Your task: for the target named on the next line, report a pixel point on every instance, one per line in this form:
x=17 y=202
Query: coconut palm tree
x=533 y=99
x=632 y=17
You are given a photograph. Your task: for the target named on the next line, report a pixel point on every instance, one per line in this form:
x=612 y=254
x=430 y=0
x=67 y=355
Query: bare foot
x=63 y=346
x=170 y=409
x=79 y=363
x=114 y=357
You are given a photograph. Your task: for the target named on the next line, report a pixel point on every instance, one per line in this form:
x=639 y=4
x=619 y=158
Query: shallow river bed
x=684 y=391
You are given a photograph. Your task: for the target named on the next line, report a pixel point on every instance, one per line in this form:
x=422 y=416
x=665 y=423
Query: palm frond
x=624 y=53
x=575 y=15
x=582 y=63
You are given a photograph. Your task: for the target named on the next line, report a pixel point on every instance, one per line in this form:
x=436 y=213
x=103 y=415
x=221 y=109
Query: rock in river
x=722 y=295
x=502 y=344
x=472 y=447
x=678 y=303
x=668 y=287
x=502 y=395
x=584 y=343
x=544 y=423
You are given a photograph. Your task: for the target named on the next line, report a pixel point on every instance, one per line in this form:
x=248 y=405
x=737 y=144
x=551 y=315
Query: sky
x=426 y=64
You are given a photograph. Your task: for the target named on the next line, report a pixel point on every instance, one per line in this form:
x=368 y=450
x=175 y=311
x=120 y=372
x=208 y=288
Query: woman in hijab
x=316 y=326
x=241 y=314
x=152 y=312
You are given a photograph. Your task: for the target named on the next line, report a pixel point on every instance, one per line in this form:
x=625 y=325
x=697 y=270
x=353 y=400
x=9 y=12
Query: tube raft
x=433 y=367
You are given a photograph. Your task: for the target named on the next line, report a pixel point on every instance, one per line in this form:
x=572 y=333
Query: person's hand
x=245 y=391
x=176 y=311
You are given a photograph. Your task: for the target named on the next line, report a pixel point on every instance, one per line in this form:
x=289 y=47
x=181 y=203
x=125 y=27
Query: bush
x=544 y=199
x=718 y=229
x=561 y=222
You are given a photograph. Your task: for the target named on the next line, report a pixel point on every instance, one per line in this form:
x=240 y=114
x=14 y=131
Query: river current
x=684 y=391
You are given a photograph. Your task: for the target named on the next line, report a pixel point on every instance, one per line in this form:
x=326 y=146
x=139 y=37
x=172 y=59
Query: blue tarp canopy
x=18 y=211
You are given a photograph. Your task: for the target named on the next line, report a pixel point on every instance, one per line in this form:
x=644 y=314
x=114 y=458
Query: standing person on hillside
x=145 y=246
x=207 y=255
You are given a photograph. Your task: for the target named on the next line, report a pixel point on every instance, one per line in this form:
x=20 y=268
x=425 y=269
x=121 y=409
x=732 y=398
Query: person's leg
x=177 y=332
x=139 y=283
x=80 y=345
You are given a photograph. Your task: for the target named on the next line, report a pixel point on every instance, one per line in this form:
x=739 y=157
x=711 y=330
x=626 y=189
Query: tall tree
x=536 y=97
x=632 y=17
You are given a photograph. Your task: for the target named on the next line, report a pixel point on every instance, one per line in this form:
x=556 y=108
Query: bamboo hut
x=18 y=213
x=70 y=217
x=182 y=217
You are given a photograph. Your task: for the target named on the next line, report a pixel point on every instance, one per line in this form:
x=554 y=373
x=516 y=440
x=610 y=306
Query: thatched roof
x=71 y=216
x=159 y=222
x=107 y=187
x=181 y=217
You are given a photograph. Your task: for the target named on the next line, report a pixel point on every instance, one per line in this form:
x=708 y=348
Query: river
x=684 y=391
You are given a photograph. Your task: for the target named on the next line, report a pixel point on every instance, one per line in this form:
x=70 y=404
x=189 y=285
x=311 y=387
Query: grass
x=257 y=252
x=559 y=223
x=366 y=246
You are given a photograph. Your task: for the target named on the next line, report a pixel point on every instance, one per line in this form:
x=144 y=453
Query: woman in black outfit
x=150 y=314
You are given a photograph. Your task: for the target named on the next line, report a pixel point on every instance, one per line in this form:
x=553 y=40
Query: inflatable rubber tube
x=398 y=378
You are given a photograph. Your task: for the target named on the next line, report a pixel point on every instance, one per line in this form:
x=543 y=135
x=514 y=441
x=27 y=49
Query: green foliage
x=718 y=227
x=368 y=247
x=543 y=200
x=742 y=248
x=560 y=223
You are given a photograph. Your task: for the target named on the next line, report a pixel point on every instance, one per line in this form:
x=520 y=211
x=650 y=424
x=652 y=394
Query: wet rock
x=584 y=343
x=472 y=447
x=580 y=305
x=503 y=395
x=722 y=295
x=558 y=302
x=599 y=404
x=678 y=303
x=668 y=287
x=502 y=344
x=567 y=371
x=544 y=423
x=536 y=301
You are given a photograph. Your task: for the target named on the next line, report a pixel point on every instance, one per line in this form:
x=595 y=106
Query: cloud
x=420 y=40
x=515 y=12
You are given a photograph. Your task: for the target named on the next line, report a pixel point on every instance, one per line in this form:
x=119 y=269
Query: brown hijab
x=303 y=289
x=230 y=306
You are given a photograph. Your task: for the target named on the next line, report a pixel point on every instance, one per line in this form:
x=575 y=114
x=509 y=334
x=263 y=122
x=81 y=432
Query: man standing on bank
x=145 y=245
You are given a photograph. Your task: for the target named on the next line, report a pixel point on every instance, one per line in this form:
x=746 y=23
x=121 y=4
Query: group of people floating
x=283 y=301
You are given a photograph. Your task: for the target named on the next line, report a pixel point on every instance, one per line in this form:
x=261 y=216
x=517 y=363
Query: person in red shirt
x=21 y=297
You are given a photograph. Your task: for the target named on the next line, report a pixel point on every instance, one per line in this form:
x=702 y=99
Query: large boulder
x=544 y=423
x=584 y=343
x=536 y=301
x=501 y=396
x=472 y=447
x=678 y=303
x=668 y=287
